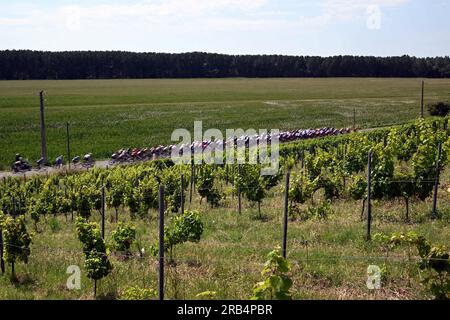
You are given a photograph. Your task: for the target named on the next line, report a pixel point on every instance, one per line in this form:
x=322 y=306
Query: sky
x=291 y=27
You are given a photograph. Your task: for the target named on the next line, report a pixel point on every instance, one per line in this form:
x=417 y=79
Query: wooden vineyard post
x=286 y=213
x=257 y=151
x=191 y=182
x=103 y=212
x=422 y=100
x=239 y=191
x=226 y=174
x=354 y=118
x=14 y=217
x=2 y=262
x=369 y=195
x=344 y=154
x=68 y=144
x=13 y=272
x=13 y=200
x=161 y=243
x=232 y=182
x=436 y=182
x=182 y=194
x=302 y=155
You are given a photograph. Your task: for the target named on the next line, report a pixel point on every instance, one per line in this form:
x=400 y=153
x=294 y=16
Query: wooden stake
x=422 y=100
x=13 y=274
x=369 y=196
x=286 y=213
x=182 y=194
x=2 y=262
x=68 y=144
x=239 y=191
x=226 y=174
x=103 y=212
x=191 y=182
x=436 y=181
x=13 y=207
x=161 y=243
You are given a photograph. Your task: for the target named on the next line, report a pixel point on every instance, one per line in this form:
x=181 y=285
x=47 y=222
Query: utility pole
x=43 y=141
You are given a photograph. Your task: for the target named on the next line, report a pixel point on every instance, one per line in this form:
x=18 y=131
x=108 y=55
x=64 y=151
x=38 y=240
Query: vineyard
x=351 y=201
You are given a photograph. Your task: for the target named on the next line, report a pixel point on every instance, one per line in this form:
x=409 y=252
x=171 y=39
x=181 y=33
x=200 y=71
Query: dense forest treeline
x=25 y=64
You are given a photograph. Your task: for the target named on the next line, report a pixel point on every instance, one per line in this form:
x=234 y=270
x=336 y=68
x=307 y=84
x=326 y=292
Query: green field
x=111 y=114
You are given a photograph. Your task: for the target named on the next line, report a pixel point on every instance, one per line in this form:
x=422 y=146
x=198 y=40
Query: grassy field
x=111 y=114
x=231 y=254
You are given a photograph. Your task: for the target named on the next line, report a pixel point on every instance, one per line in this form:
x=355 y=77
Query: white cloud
x=14 y=22
x=351 y=9
x=72 y=17
x=174 y=25
x=172 y=8
x=151 y=12
x=179 y=12
x=223 y=24
x=346 y=10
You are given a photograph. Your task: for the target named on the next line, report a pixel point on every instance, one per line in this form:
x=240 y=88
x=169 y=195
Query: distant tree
x=26 y=64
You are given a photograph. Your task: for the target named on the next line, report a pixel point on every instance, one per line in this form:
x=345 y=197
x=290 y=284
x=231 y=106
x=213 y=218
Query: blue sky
x=295 y=27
